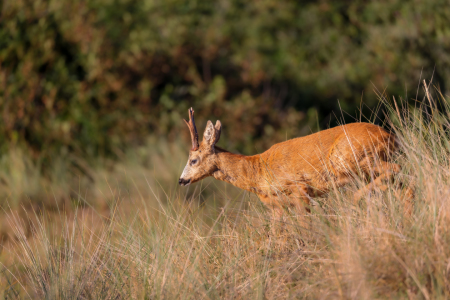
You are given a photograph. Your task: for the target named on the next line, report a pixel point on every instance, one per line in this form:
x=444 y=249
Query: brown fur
x=292 y=172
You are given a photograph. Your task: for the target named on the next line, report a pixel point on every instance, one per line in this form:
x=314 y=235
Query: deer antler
x=192 y=129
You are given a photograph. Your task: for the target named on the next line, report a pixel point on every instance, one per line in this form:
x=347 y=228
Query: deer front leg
x=295 y=195
x=273 y=203
x=300 y=200
x=300 y=197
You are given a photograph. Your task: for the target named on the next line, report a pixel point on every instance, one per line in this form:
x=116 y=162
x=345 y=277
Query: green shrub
x=92 y=77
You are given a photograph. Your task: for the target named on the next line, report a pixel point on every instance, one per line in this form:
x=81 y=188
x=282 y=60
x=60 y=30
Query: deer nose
x=182 y=181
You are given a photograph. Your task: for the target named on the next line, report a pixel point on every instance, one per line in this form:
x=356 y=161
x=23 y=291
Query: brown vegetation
x=154 y=241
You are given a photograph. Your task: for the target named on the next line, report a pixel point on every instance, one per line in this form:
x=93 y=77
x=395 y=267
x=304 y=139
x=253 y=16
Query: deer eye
x=193 y=162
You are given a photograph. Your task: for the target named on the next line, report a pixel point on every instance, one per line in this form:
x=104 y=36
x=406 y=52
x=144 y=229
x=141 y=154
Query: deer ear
x=209 y=134
x=218 y=128
x=212 y=133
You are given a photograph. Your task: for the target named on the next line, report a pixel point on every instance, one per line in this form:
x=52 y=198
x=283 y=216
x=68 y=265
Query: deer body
x=292 y=172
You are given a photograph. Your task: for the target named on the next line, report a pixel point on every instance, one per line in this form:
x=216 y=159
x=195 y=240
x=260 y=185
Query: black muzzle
x=182 y=181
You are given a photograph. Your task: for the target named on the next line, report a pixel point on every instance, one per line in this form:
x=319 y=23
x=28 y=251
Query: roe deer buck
x=292 y=172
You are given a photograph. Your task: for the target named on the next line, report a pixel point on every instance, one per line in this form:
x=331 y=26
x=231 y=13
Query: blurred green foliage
x=91 y=77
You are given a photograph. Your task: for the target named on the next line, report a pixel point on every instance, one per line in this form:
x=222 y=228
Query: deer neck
x=241 y=171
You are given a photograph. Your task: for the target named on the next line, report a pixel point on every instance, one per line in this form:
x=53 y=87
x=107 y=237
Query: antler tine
x=192 y=129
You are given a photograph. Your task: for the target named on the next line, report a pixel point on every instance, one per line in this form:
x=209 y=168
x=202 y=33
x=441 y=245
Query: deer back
x=331 y=152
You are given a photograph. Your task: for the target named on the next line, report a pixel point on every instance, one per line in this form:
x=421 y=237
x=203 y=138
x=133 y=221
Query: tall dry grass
x=153 y=240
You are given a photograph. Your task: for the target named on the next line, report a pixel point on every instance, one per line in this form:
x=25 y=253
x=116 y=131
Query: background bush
x=92 y=77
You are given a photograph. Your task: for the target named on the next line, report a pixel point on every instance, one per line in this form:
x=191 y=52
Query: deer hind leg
x=407 y=195
x=384 y=171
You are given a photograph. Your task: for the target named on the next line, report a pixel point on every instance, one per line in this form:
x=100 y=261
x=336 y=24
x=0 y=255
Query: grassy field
x=127 y=231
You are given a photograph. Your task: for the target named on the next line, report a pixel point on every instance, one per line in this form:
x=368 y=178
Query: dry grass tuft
x=154 y=242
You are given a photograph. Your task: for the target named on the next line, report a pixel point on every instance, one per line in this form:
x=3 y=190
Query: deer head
x=201 y=162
